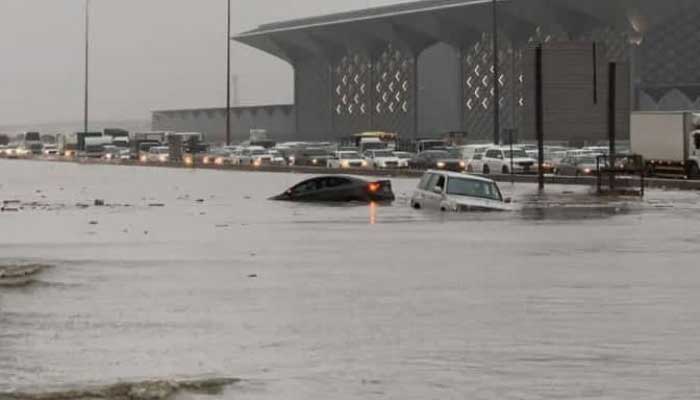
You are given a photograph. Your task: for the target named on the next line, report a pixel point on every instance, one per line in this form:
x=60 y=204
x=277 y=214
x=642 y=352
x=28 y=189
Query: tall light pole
x=496 y=76
x=228 y=73
x=87 y=66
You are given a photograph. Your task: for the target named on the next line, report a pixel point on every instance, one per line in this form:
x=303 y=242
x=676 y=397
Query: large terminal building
x=426 y=68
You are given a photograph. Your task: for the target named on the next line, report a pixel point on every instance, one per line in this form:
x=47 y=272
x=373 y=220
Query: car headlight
x=257 y=162
x=219 y=161
x=345 y=164
x=587 y=171
x=462 y=164
x=108 y=156
x=441 y=164
x=163 y=158
x=314 y=161
x=189 y=160
x=364 y=163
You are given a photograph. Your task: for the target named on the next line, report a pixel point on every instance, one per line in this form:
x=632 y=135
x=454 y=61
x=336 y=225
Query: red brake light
x=374 y=187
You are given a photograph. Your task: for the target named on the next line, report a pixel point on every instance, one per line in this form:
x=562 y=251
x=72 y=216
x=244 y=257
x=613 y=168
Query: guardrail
x=678 y=184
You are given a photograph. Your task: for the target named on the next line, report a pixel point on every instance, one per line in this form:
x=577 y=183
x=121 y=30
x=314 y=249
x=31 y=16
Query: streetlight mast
x=228 y=74
x=496 y=78
x=87 y=66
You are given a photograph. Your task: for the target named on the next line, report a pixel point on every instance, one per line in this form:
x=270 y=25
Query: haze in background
x=146 y=55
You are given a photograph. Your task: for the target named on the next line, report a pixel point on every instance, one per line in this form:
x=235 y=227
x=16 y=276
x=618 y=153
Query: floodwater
x=570 y=298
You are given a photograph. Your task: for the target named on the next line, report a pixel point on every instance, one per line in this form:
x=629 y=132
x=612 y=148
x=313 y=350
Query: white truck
x=668 y=141
x=95 y=146
x=67 y=144
x=376 y=141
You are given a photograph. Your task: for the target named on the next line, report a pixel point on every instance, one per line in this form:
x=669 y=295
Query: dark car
x=446 y=160
x=310 y=157
x=338 y=189
x=578 y=166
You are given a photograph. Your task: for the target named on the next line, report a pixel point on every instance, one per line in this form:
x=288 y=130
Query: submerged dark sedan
x=338 y=189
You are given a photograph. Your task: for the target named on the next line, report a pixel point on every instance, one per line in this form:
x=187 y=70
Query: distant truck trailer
x=31 y=143
x=95 y=146
x=120 y=137
x=81 y=136
x=141 y=142
x=376 y=141
x=668 y=141
x=70 y=144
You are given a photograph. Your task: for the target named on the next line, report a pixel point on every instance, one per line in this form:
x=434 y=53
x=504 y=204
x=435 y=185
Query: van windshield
x=350 y=156
x=587 y=160
x=315 y=152
x=473 y=188
x=374 y=145
x=518 y=153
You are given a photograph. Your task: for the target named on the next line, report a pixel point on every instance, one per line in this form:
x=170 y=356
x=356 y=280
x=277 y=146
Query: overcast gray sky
x=146 y=55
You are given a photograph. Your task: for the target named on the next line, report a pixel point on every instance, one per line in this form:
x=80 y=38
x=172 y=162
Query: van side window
x=697 y=141
x=432 y=182
x=423 y=185
x=441 y=182
x=477 y=157
x=493 y=154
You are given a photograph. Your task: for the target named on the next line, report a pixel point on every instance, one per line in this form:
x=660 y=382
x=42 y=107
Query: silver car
x=578 y=166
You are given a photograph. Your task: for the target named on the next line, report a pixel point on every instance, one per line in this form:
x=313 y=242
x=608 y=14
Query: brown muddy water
x=194 y=273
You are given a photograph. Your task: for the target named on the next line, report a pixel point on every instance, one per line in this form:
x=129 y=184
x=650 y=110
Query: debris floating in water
x=10 y=206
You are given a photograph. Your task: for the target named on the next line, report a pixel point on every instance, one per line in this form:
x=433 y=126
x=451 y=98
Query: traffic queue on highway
x=369 y=152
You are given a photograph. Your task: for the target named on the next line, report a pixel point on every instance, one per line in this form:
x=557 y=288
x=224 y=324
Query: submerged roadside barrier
x=20 y=274
x=146 y=390
x=624 y=182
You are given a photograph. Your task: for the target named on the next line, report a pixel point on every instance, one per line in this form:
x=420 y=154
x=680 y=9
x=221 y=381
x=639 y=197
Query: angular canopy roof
x=361 y=15
x=420 y=24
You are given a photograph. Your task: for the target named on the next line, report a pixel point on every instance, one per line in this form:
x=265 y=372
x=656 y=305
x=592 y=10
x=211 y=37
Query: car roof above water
x=353 y=179
x=458 y=175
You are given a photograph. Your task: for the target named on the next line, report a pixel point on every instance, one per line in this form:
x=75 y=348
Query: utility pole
x=539 y=116
x=228 y=73
x=87 y=66
x=496 y=76
x=612 y=114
